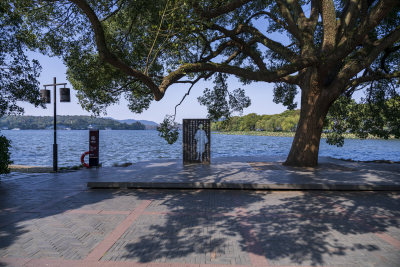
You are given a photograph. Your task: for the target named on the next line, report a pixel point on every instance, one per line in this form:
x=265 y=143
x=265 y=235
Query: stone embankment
x=39 y=169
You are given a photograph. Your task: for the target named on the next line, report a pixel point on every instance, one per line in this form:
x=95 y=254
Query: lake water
x=34 y=147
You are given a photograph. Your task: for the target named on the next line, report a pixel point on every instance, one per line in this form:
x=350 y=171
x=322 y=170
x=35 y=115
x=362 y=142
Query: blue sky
x=261 y=95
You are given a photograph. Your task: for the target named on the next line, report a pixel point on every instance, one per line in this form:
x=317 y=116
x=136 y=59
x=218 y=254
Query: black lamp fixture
x=65 y=96
x=45 y=96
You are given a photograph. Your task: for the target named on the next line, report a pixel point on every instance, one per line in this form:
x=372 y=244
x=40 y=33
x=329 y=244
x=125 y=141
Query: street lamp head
x=65 y=95
x=45 y=96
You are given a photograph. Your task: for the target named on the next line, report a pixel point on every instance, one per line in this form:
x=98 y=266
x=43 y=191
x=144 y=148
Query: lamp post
x=64 y=97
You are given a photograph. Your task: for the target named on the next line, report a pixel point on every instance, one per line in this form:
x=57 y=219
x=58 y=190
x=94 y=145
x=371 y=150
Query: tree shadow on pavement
x=326 y=227
x=226 y=227
x=199 y=226
x=35 y=221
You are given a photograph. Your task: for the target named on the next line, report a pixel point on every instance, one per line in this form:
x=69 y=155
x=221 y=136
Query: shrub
x=4 y=155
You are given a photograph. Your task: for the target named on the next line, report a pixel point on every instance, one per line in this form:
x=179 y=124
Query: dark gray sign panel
x=196 y=141
x=93 y=148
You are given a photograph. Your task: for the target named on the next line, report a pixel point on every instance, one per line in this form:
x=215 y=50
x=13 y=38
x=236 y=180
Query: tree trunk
x=315 y=104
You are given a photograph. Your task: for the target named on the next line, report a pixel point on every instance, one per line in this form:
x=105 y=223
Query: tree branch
x=374 y=77
x=298 y=11
x=205 y=76
x=271 y=16
x=348 y=43
x=108 y=56
x=314 y=14
x=210 y=14
x=246 y=48
x=259 y=37
x=347 y=18
x=365 y=56
x=114 y=12
x=387 y=53
x=273 y=45
x=292 y=27
x=266 y=76
x=329 y=25
x=218 y=51
x=155 y=39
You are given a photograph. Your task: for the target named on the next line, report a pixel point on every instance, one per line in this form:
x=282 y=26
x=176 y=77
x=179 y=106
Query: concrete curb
x=241 y=186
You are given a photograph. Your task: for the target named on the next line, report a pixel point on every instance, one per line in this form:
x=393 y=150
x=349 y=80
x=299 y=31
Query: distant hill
x=66 y=122
x=130 y=121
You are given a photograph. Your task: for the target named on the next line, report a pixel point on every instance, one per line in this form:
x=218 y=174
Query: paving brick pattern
x=65 y=236
x=53 y=220
x=199 y=239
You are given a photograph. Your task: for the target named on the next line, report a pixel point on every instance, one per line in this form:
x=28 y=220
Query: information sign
x=196 y=141
x=93 y=148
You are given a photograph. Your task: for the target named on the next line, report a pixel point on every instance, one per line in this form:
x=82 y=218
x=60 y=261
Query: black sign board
x=196 y=141
x=93 y=148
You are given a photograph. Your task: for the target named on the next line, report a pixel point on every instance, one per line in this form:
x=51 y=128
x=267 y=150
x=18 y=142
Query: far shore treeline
x=283 y=122
x=66 y=123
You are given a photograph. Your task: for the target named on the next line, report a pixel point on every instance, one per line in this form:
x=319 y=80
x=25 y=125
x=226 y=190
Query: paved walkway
x=55 y=220
x=250 y=173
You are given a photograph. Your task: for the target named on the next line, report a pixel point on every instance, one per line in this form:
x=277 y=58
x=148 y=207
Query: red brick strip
x=102 y=212
x=254 y=247
x=89 y=263
x=80 y=211
x=387 y=238
x=111 y=238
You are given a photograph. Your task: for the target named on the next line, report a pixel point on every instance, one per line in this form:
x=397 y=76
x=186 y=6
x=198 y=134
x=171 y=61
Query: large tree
x=327 y=48
x=18 y=74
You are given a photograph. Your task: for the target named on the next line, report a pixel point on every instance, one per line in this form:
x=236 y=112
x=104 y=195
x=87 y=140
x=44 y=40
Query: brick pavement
x=52 y=220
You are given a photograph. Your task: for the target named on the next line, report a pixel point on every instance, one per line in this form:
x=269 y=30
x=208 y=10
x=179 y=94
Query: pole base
x=55 y=157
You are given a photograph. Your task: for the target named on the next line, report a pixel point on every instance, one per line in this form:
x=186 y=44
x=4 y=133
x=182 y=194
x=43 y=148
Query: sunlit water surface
x=34 y=147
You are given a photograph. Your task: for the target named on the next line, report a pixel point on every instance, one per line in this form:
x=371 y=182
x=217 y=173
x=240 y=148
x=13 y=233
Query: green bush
x=4 y=155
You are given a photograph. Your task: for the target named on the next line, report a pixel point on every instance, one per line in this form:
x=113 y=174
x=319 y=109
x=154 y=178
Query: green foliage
x=346 y=119
x=99 y=85
x=18 y=76
x=4 y=155
x=285 y=94
x=220 y=102
x=168 y=130
x=134 y=34
x=376 y=115
x=286 y=121
x=73 y=122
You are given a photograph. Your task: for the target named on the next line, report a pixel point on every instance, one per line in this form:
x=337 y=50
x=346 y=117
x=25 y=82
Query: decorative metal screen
x=196 y=141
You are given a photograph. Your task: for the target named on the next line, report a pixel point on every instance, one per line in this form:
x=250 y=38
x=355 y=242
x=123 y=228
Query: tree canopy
x=18 y=75
x=325 y=49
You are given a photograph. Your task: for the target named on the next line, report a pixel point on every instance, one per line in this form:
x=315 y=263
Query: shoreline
x=291 y=134
x=39 y=169
x=30 y=169
x=48 y=169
